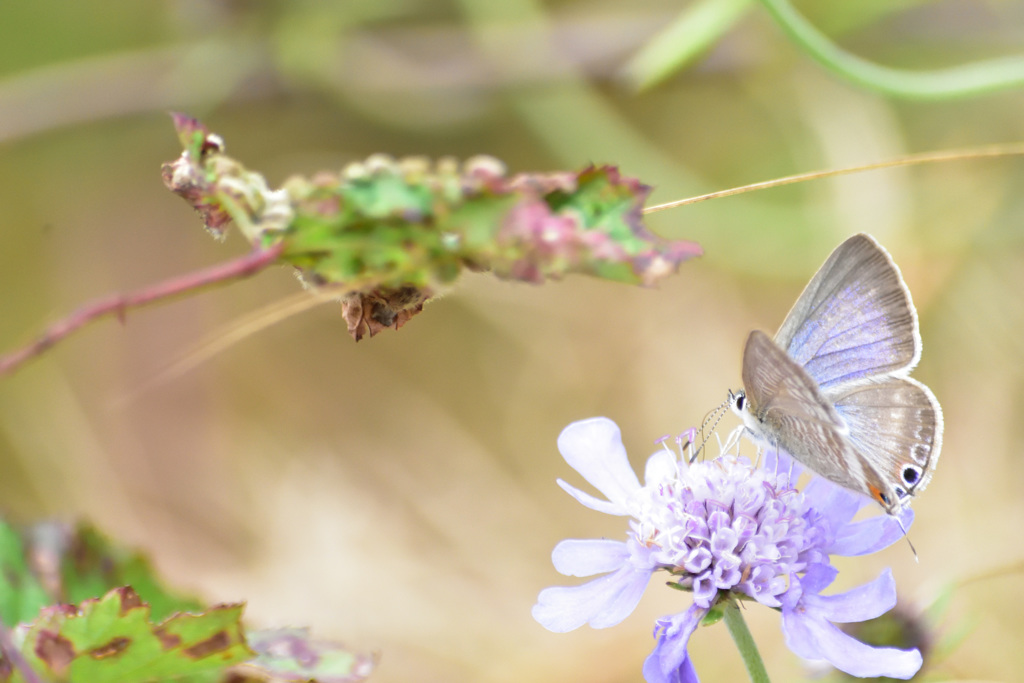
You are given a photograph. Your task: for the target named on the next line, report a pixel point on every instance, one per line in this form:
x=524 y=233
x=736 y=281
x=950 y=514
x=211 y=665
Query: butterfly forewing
x=790 y=412
x=899 y=423
x=854 y=320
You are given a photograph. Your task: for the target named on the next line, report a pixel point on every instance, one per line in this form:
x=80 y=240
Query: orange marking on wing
x=876 y=494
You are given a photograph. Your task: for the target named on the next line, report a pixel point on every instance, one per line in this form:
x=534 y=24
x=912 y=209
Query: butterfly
x=832 y=387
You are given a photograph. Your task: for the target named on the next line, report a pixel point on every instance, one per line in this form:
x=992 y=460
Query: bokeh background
x=399 y=494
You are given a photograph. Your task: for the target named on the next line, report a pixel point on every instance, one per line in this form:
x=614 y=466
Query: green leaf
x=388 y=234
x=694 y=32
x=21 y=593
x=113 y=639
x=90 y=565
x=52 y=562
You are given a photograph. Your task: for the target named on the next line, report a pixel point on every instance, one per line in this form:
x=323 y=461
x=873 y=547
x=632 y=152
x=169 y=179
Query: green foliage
x=88 y=611
x=967 y=80
x=389 y=234
x=55 y=563
x=701 y=25
x=114 y=639
x=21 y=592
x=695 y=31
x=93 y=565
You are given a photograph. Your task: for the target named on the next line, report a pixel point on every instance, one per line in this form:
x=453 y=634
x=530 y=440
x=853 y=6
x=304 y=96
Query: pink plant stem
x=15 y=658
x=118 y=304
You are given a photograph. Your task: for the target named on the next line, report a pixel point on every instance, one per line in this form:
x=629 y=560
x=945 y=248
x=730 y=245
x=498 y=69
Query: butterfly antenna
x=703 y=439
x=717 y=412
x=907 y=536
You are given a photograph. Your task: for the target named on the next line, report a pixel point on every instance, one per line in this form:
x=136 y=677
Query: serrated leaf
x=113 y=639
x=388 y=234
x=82 y=563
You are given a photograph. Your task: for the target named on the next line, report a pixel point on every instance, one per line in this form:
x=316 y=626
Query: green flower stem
x=745 y=644
x=940 y=84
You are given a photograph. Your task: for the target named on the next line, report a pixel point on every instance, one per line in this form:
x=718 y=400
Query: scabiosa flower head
x=723 y=530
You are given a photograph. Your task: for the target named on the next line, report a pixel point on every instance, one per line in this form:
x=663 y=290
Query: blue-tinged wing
x=854 y=321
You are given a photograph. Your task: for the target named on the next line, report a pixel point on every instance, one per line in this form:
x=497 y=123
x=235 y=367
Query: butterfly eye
x=741 y=399
x=911 y=475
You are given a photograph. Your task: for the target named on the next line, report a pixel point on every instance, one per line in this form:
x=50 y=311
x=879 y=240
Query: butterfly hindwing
x=897 y=425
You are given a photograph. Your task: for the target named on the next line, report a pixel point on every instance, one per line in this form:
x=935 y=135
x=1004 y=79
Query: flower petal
x=818 y=577
x=603 y=602
x=579 y=557
x=625 y=600
x=871 y=535
x=859 y=604
x=812 y=637
x=684 y=673
x=591 y=502
x=836 y=504
x=594 y=449
x=669 y=662
x=798 y=636
x=661 y=466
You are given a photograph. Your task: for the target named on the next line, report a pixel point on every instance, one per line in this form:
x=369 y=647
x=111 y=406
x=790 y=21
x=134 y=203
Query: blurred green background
x=399 y=494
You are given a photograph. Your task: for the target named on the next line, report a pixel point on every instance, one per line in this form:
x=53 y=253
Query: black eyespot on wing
x=911 y=475
x=900 y=493
x=884 y=498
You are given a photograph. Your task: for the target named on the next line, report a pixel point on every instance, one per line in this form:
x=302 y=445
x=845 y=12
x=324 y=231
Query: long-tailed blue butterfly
x=832 y=388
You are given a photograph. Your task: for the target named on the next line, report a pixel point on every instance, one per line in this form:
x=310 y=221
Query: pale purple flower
x=721 y=528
